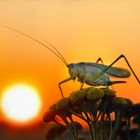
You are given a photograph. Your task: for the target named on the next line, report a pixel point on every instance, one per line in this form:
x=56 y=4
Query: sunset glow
x=82 y=31
x=20 y=102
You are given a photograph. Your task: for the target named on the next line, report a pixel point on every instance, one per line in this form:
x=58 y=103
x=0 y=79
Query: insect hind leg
x=105 y=78
x=107 y=81
x=121 y=56
x=100 y=60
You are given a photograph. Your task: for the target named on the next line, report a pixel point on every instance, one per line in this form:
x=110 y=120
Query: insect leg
x=121 y=56
x=68 y=79
x=99 y=59
x=82 y=84
x=105 y=78
x=83 y=81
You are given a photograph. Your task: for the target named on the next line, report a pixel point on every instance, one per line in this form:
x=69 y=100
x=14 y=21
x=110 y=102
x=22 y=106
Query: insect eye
x=72 y=66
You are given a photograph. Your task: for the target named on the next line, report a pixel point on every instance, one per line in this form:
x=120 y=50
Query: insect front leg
x=68 y=79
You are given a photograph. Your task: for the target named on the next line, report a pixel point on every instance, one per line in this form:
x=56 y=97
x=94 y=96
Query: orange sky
x=81 y=30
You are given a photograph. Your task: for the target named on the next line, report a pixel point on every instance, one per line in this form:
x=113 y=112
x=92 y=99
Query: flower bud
x=49 y=116
x=108 y=93
x=118 y=103
x=63 y=103
x=77 y=96
x=128 y=112
x=53 y=107
x=94 y=94
x=129 y=103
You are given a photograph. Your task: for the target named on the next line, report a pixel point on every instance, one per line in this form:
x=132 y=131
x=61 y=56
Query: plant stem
x=69 y=127
x=118 y=120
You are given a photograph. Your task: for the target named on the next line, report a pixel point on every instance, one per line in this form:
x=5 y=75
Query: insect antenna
x=57 y=53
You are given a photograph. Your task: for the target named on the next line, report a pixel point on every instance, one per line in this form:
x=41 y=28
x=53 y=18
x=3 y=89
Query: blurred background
x=82 y=31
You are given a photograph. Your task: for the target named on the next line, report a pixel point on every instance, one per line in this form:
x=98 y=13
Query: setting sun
x=20 y=102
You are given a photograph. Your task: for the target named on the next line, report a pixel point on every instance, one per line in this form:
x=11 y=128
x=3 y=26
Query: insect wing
x=112 y=71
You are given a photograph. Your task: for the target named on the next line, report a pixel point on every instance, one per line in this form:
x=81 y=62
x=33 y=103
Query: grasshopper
x=93 y=74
